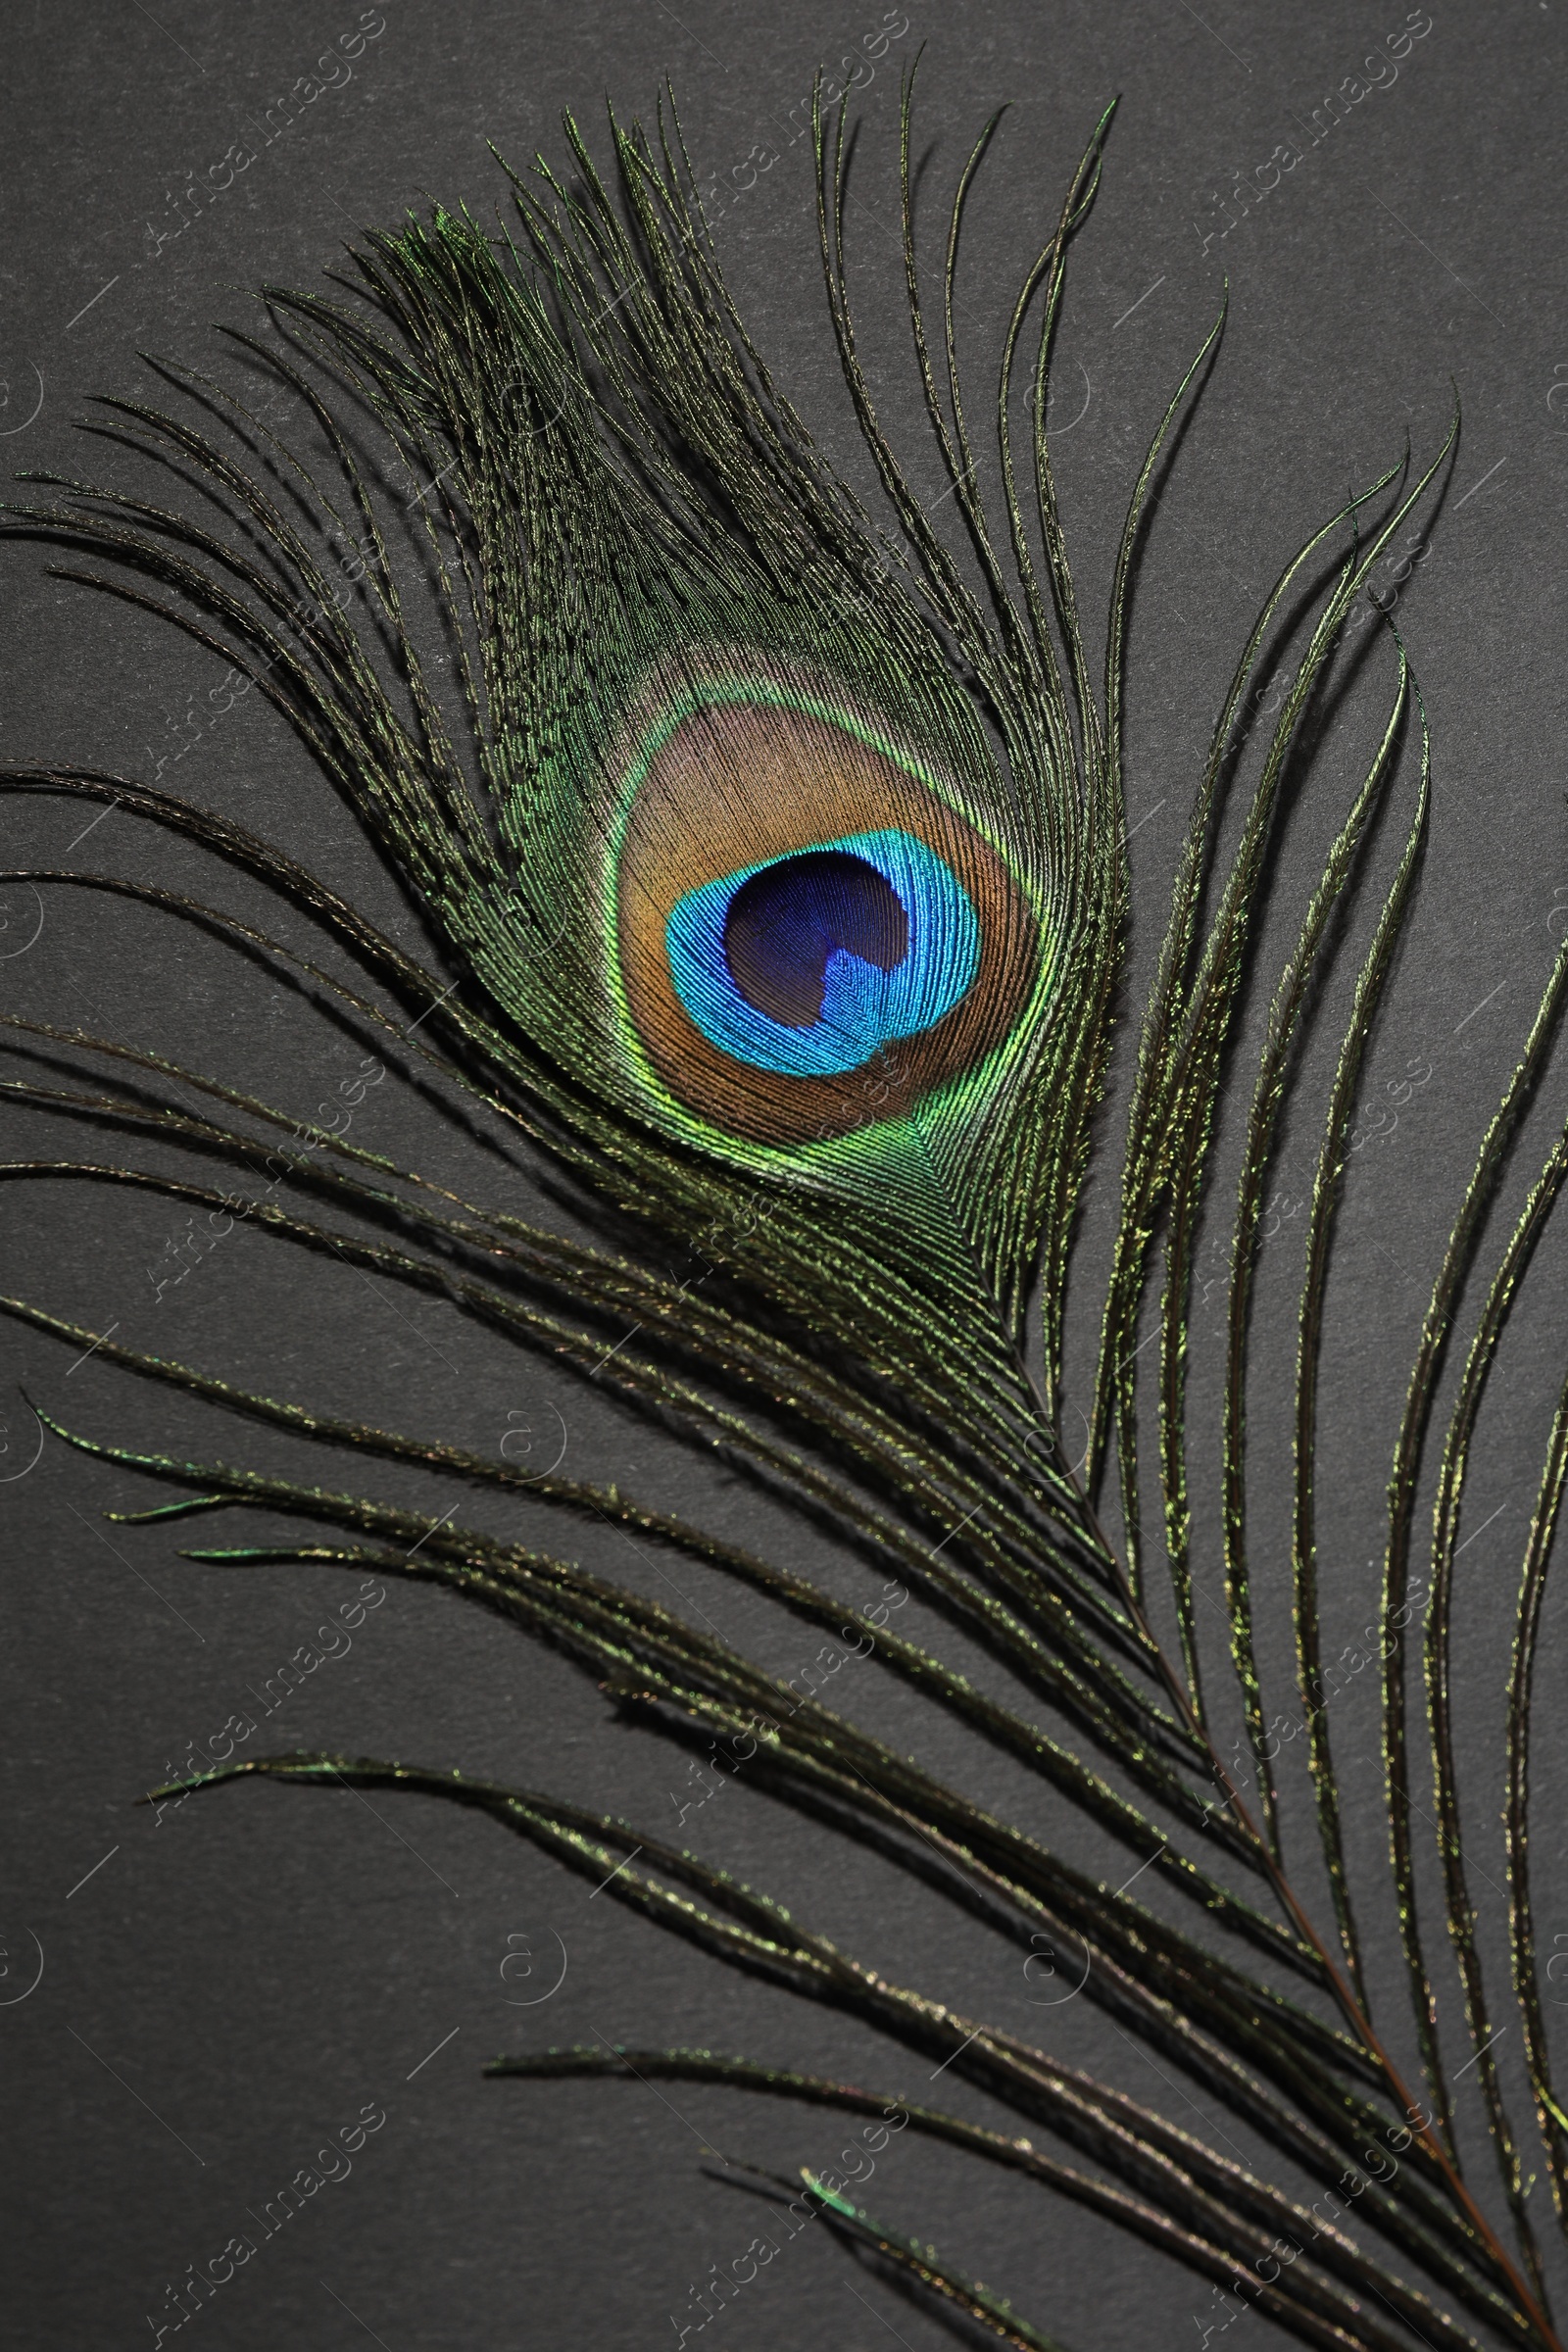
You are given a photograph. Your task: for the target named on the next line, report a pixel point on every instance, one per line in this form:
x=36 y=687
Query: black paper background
x=224 y=1987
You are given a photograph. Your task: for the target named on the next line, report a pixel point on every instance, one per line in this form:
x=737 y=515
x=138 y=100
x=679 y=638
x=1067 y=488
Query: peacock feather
x=773 y=860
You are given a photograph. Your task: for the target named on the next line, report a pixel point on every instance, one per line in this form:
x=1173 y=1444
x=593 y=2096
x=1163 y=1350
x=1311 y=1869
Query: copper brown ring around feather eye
x=735 y=784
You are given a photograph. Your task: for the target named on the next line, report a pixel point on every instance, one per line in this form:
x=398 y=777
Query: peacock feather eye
x=812 y=935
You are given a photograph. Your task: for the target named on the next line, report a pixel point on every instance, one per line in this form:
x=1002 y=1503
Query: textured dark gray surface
x=226 y=1987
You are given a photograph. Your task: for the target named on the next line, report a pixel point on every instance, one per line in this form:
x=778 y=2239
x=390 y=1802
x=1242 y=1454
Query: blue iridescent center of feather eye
x=786 y=923
x=808 y=965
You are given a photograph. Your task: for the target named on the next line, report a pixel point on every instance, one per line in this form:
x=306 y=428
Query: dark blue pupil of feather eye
x=784 y=923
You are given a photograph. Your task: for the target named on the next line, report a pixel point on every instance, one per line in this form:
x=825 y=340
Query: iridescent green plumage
x=720 y=763
x=660 y=568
